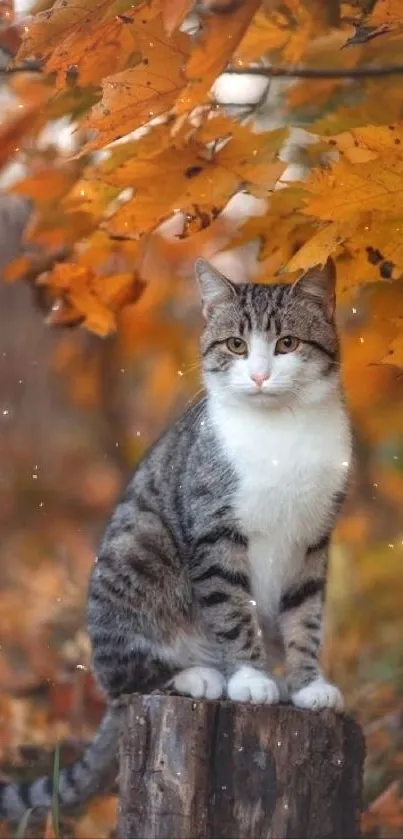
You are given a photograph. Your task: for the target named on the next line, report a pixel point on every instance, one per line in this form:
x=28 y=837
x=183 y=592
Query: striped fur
x=218 y=546
x=90 y=774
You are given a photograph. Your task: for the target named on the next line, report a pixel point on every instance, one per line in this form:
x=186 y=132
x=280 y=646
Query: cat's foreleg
x=227 y=611
x=301 y=617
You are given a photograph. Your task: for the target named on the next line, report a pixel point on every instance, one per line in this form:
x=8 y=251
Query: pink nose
x=259 y=378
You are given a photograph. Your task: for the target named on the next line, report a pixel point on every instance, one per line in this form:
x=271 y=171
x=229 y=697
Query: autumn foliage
x=156 y=157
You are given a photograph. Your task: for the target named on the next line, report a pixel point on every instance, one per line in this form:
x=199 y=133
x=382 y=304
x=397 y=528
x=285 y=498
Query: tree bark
x=14 y=214
x=223 y=770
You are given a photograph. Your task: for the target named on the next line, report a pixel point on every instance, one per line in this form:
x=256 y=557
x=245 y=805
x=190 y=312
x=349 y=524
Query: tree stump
x=224 y=770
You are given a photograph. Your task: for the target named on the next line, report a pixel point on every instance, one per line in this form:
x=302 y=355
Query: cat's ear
x=319 y=282
x=214 y=287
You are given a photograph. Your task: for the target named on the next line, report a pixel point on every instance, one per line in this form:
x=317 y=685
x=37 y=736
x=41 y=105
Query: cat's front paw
x=317 y=695
x=251 y=685
x=199 y=683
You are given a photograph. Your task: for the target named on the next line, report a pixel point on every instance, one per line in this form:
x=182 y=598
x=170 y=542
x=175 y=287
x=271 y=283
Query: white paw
x=319 y=694
x=251 y=685
x=200 y=683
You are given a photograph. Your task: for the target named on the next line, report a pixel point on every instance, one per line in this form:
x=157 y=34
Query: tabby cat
x=220 y=541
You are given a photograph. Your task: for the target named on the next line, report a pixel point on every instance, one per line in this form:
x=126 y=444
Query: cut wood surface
x=222 y=770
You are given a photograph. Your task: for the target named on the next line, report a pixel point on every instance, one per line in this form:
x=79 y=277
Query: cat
x=219 y=544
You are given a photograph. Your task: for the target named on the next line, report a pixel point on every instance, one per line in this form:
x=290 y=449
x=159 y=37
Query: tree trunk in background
x=14 y=212
x=222 y=770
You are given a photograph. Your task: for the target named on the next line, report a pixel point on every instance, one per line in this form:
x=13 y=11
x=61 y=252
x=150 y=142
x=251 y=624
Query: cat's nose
x=259 y=378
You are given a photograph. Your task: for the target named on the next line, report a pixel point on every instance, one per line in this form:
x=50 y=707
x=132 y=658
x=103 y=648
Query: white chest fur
x=289 y=465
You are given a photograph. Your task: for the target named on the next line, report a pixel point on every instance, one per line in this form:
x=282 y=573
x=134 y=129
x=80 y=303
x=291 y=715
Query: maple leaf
x=49 y=184
x=386 y=13
x=90 y=55
x=321 y=245
x=26 y=123
x=252 y=157
x=151 y=203
x=283 y=30
x=194 y=177
x=366 y=143
x=367 y=187
x=212 y=53
x=95 y=299
x=174 y=12
x=64 y=22
x=135 y=96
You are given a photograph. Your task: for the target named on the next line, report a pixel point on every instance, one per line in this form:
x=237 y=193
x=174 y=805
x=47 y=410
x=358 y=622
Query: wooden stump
x=223 y=770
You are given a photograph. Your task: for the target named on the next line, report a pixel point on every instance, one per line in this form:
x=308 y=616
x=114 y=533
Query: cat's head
x=271 y=345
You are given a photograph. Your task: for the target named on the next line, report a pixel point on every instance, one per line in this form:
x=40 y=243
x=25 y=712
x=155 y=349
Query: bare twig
x=35 y=66
x=318 y=73
x=30 y=66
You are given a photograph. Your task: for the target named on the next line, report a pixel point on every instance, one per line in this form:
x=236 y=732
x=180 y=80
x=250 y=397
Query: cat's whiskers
x=185 y=370
x=194 y=397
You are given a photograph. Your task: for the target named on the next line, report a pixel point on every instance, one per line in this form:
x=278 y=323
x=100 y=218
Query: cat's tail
x=89 y=775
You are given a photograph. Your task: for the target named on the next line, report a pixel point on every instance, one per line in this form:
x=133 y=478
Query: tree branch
x=30 y=66
x=320 y=73
x=36 y=66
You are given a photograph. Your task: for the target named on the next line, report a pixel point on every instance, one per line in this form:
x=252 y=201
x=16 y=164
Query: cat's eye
x=237 y=345
x=287 y=344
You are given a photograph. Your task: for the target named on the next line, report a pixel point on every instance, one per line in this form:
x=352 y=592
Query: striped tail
x=88 y=776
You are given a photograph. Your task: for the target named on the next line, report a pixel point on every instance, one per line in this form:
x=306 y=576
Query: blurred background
x=77 y=411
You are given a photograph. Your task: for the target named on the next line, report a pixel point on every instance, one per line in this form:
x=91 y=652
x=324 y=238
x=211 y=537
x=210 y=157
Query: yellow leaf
x=346 y=189
x=369 y=109
x=264 y=34
x=151 y=203
x=251 y=156
x=284 y=31
x=321 y=245
x=193 y=179
x=368 y=142
x=150 y=145
x=381 y=240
